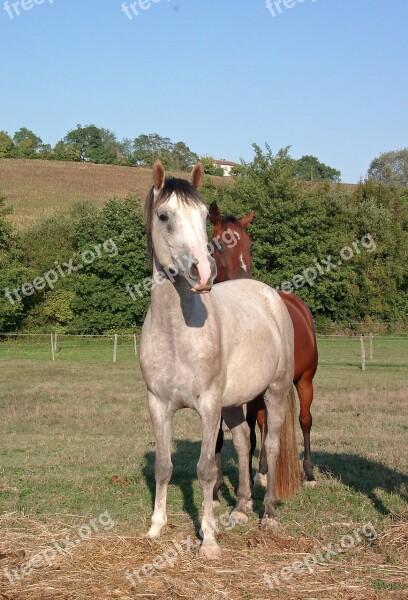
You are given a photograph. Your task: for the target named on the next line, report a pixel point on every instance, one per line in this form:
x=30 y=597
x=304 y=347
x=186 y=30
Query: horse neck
x=173 y=305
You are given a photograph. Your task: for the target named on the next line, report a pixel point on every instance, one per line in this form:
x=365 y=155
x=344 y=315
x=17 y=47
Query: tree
x=210 y=167
x=125 y=149
x=27 y=143
x=65 y=151
x=6 y=145
x=86 y=140
x=5 y=228
x=310 y=168
x=46 y=152
x=110 y=147
x=390 y=168
x=147 y=148
x=102 y=301
x=12 y=273
x=297 y=228
x=182 y=158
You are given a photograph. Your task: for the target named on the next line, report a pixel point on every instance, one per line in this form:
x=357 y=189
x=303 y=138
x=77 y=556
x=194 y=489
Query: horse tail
x=288 y=475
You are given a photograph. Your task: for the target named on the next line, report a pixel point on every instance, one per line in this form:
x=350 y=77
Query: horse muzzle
x=201 y=277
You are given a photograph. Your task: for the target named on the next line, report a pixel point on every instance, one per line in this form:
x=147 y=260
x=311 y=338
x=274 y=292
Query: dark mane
x=230 y=220
x=186 y=193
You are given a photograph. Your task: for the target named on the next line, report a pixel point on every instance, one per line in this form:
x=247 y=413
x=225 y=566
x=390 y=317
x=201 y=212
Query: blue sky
x=328 y=77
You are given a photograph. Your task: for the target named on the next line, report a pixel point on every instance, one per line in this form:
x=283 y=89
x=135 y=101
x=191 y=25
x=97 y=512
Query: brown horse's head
x=232 y=245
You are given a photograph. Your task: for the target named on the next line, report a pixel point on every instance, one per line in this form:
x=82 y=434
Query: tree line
x=99 y=145
x=297 y=226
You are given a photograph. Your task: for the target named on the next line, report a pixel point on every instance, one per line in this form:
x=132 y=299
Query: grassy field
x=37 y=188
x=76 y=440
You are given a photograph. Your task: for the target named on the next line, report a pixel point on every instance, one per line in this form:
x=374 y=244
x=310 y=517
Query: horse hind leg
x=280 y=442
x=276 y=407
x=305 y=392
x=236 y=422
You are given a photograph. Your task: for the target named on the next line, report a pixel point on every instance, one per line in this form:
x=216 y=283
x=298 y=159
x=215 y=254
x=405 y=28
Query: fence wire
x=337 y=350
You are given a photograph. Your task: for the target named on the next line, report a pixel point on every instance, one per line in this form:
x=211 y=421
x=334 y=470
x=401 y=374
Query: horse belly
x=251 y=367
x=254 y=326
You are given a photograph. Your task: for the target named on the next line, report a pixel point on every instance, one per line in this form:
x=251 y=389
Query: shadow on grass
x=185 y=458
x=358 y=473
x=363 y=476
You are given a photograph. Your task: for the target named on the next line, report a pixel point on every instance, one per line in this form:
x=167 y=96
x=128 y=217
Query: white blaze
x=243 y=265
x=192 y=232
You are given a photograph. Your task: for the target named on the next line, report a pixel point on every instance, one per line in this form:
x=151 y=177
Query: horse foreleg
x=236 y=422
x=305 y=392
x=207 y=475
x=218 y=462
x=162 y=419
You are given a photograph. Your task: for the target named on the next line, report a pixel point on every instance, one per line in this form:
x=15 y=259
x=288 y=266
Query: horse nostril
x=193 y=271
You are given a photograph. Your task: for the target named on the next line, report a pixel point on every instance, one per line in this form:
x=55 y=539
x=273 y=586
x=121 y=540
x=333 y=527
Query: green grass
x=69 y=348
x=69 y=426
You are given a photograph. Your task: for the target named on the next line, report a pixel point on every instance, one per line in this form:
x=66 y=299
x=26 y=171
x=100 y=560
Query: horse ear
x=214 y=213
x=159 y=175
x=197 y=175
x=245 y=221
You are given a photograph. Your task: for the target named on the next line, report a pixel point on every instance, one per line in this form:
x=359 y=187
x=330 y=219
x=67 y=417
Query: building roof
x=227 y=163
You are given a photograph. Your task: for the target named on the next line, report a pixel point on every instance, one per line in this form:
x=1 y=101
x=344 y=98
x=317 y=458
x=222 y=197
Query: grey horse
x=194 y=355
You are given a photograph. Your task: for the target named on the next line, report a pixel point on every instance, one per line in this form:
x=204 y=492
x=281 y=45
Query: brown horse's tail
x=288 y=477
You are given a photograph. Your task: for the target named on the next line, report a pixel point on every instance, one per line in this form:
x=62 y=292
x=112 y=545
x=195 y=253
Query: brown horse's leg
x=237 y=424
x=218 y=462
x=261 y=418
x=252 y=411
x=305 y=392
x=263 y=426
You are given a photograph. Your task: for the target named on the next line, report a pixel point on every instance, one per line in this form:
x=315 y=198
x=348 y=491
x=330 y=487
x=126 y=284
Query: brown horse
x=234 y=261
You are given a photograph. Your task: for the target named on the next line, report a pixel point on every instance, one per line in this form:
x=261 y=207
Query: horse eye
x=163 y=217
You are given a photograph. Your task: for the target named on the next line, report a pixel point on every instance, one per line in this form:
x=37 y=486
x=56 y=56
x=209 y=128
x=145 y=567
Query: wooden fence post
x=52 y=346
x=371 y=346
x=55 y=343
x=135 y=343
x=115 y=348
x=363 y=354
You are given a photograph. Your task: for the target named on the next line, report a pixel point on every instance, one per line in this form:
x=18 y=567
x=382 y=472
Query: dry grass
x=37 y=188
x=96 y=568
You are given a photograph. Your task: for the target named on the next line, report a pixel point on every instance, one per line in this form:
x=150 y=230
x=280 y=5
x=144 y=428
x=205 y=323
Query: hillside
x=36 y=188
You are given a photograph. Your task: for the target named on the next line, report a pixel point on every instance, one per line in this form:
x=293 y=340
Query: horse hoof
x=154 y=533
x=310 y=484
x=270 y=523
x=261 y=480
x=210 y=552
x=238 y=518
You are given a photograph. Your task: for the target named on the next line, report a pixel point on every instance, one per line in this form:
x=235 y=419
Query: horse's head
x=232 y=245
x=176 y=224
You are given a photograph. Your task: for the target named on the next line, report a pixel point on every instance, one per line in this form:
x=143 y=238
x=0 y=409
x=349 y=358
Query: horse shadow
x=185 y=457
x=360 y=474
x=364 y=476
